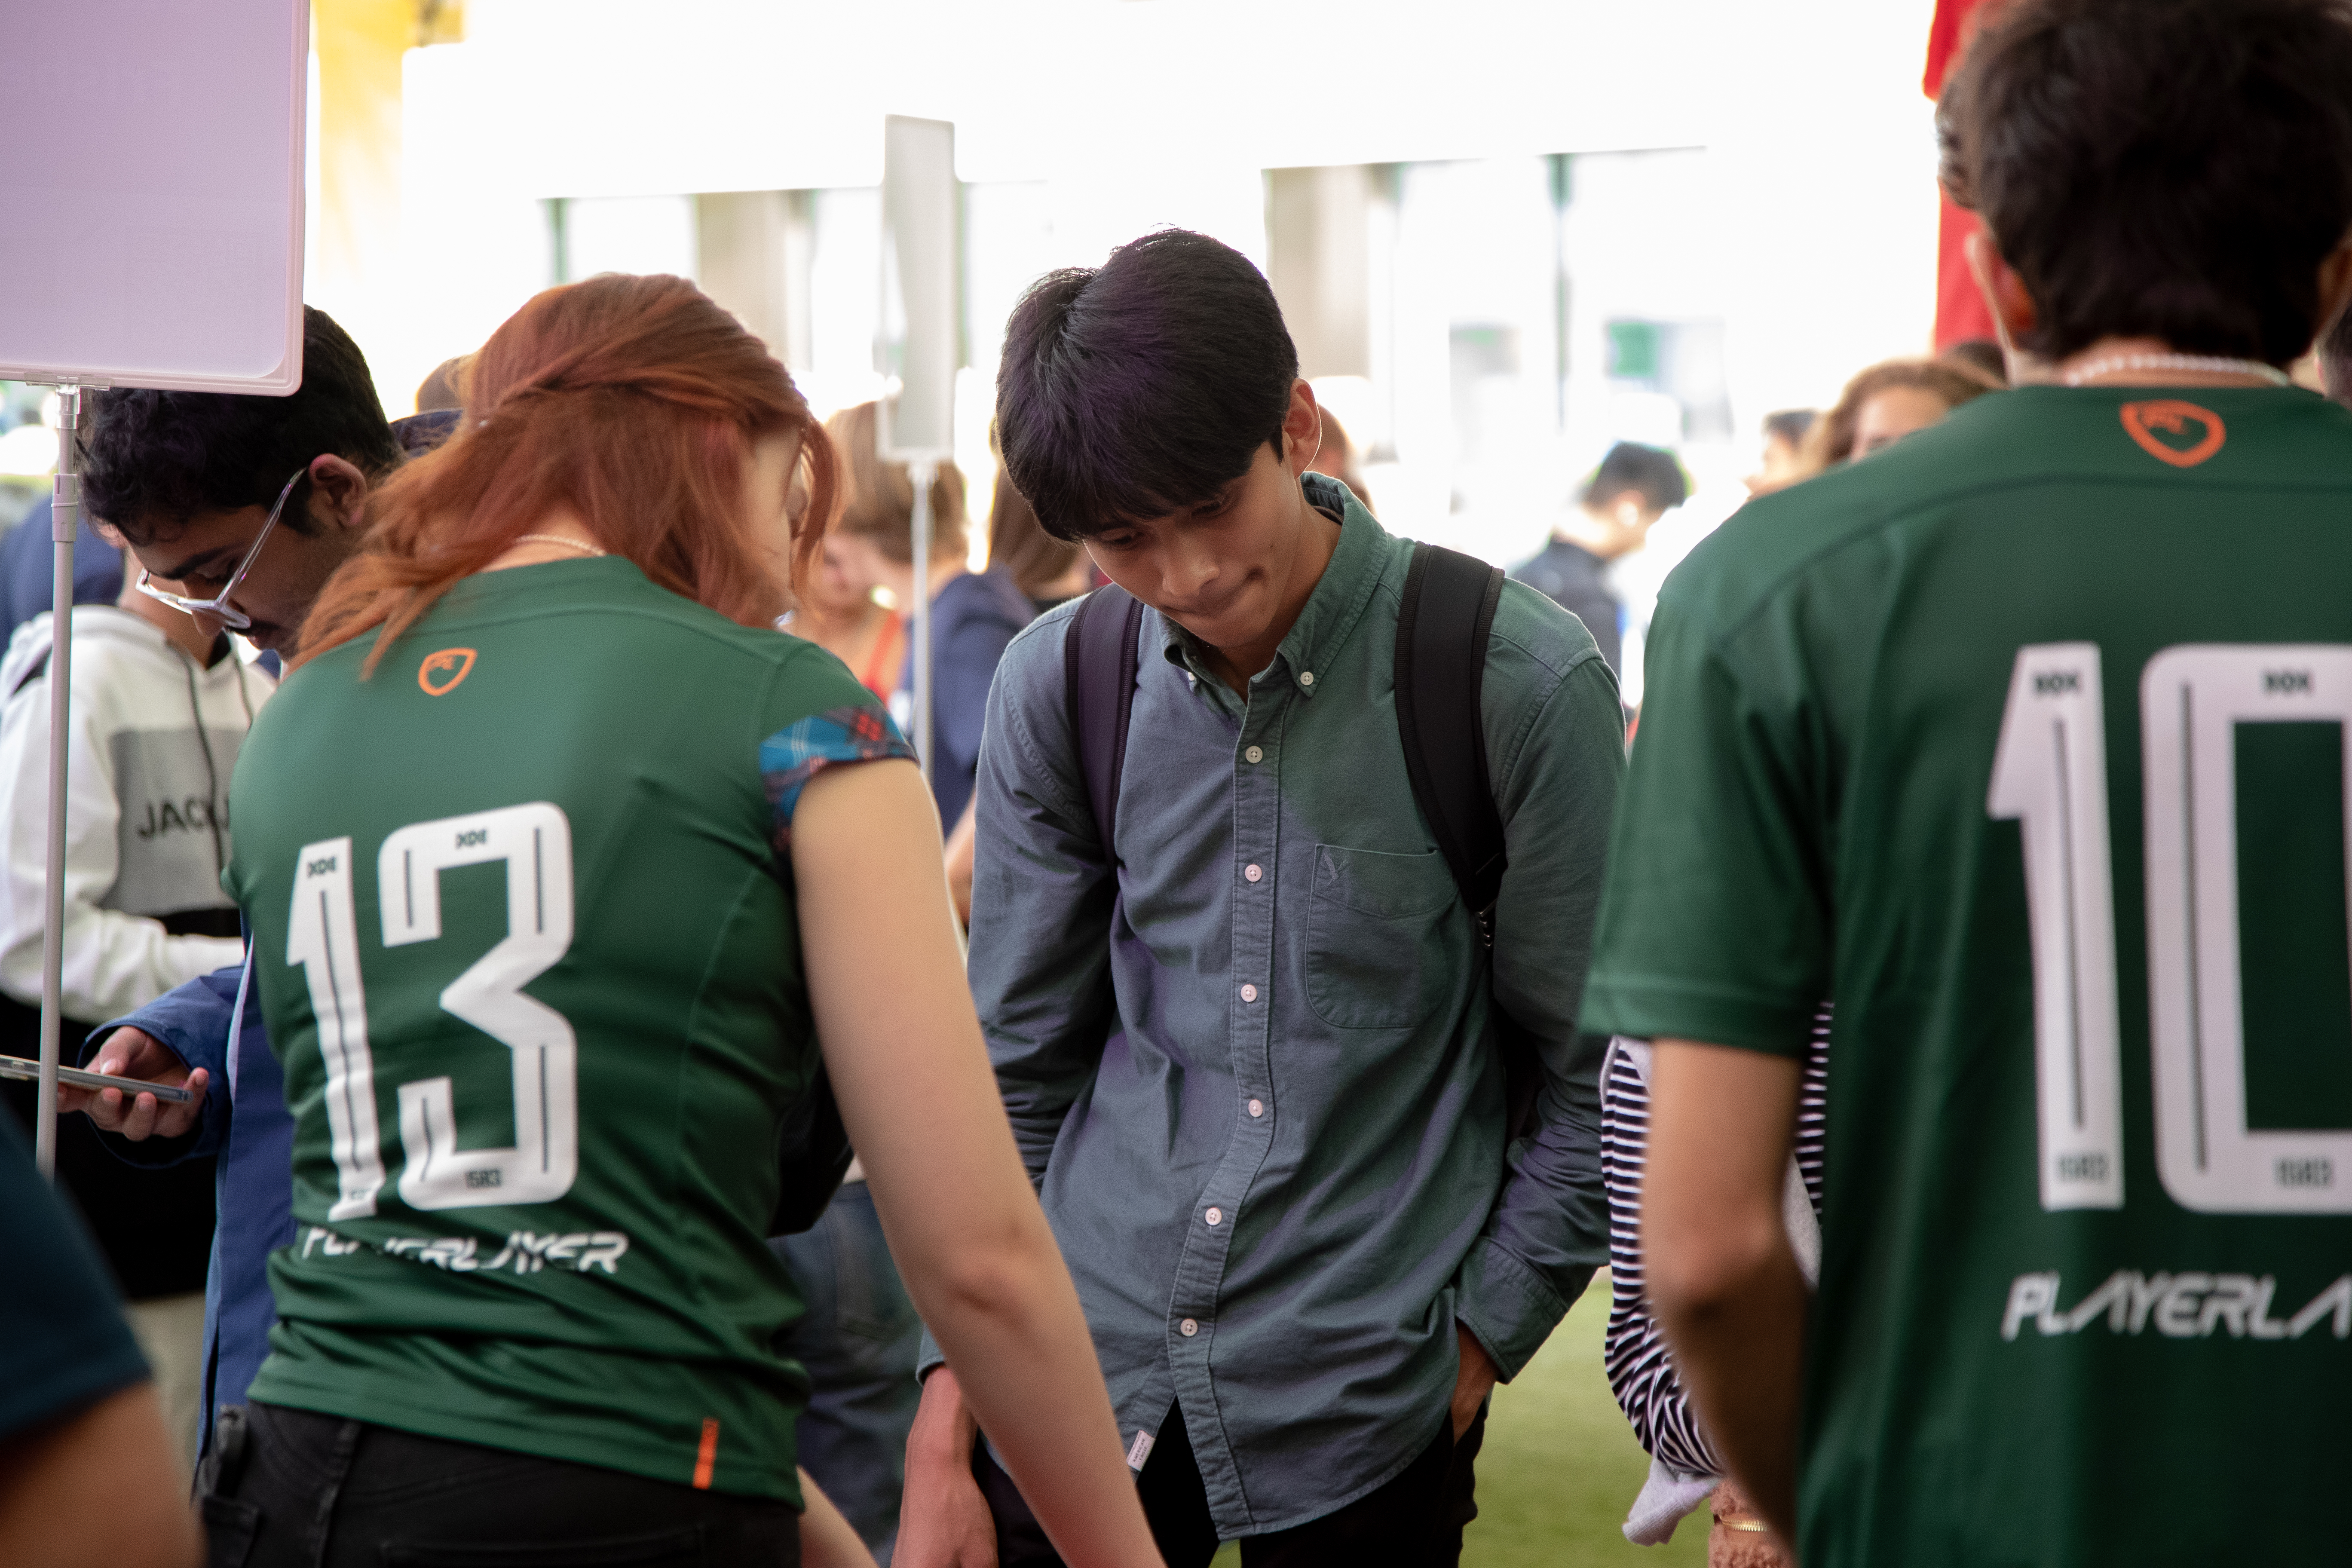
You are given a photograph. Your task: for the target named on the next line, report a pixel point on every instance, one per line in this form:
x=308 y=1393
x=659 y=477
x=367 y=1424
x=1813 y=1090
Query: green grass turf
x=1561 y=1467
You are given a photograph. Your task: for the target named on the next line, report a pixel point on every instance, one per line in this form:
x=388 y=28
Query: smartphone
x=20 y=1067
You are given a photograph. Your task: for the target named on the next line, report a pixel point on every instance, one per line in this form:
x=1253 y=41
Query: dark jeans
x=1413 y=1521
x=858 y=1341
x=286 y=1489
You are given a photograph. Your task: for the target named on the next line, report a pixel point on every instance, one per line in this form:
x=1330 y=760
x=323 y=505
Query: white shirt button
x=1306 y=677
x=1189 y=1327
x=1257 y=1108
x=1255 y=753
x=1254 y=873
x=1249 y=992
x=1215 y=1217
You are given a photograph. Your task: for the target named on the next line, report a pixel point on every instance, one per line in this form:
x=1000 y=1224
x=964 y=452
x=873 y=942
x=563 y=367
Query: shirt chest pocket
x=1375 y=947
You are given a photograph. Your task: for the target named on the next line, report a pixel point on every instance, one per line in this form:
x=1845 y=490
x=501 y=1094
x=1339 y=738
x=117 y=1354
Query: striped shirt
x=1640 y=1368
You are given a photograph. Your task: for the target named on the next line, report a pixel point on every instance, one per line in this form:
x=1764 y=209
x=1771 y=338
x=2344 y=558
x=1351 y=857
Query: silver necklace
x=2208 y=363
x=559 y=539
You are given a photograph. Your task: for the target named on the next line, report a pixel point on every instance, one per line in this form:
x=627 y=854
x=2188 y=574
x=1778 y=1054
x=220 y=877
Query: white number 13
x=2050 y=771
x=534 y=842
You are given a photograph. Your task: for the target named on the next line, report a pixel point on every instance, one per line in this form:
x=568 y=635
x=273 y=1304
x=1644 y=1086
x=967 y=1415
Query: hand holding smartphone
x=26 y=1067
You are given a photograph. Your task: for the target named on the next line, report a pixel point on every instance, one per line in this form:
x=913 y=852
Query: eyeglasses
x=217 y=606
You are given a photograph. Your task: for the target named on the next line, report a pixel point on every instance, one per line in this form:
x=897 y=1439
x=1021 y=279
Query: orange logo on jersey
x=2164 y=430
x=441 y=672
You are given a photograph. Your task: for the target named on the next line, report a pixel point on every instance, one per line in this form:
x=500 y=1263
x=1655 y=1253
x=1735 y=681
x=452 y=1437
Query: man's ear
x=2005 y=294
x=338 y=492
x=2336 y=284
x=1302 y=428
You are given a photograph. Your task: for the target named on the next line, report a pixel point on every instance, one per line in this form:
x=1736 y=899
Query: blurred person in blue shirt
x=1633 y=488
x=974 y=613
x=27 y=569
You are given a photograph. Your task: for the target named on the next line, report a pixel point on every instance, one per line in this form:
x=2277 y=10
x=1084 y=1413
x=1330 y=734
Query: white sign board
x=154 y=192
x=919 y=275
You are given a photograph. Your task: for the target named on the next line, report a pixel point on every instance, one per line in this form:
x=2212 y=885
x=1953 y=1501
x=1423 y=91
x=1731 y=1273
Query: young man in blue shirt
x=1252 y=1048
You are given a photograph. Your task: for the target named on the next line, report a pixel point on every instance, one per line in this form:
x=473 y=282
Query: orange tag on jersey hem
x=706 y=1459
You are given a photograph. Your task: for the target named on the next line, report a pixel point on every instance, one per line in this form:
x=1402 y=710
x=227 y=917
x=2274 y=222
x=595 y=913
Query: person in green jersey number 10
x=563 y=889
x=2024 y=741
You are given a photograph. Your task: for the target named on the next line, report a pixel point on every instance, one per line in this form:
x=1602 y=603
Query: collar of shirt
x=1330 y=613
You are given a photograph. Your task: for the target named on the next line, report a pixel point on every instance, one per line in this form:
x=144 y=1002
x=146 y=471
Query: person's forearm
x=945 y=1427
x=1715 y=1251
x=1020 y=1364
x=113 y=963
x=1740 y=1350
x=1548 y=1232
x=903 y=1048
x=102 y=1488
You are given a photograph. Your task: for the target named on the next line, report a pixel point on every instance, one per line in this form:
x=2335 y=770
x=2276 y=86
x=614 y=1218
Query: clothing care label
x=1139 y=1450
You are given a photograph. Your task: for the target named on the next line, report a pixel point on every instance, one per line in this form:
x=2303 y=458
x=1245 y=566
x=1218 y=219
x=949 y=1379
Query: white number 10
x=534 y=842
x=2049 y=772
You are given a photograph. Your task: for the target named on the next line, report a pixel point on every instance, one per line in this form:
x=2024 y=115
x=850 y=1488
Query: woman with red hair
x=572 y=883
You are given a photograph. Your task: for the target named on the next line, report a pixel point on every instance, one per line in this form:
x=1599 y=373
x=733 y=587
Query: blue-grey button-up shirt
x=1255 y=1071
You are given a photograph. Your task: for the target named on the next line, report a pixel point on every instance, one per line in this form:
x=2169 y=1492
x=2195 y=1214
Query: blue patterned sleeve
x=799 y=751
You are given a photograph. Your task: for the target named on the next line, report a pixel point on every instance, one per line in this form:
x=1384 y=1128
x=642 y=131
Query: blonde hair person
x=974 y=614
x=877 y=499
x=1048 y=570
x=1887 y=401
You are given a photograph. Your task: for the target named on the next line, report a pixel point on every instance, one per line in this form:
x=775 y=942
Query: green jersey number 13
x=2050 y=773
x=535 y=843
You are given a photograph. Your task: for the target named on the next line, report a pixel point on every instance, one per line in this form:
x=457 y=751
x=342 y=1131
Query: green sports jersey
x=525 y=940
x=2024 y=742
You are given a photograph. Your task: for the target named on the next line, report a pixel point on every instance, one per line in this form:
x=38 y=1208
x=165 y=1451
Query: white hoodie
x=147 y=812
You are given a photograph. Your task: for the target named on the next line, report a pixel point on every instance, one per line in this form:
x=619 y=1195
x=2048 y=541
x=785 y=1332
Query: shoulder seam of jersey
x=1764 y=595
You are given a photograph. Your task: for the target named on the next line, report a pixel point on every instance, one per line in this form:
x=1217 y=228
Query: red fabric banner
x=1961 y=310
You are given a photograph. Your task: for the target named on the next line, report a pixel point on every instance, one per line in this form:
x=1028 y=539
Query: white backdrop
x=1811 y=233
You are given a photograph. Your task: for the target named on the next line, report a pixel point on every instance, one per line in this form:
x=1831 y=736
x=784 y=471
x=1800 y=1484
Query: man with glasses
x=235 y=509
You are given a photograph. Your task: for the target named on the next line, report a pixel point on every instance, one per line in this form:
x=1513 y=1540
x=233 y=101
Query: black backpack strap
x=1441 y=675
x=1099 y=664
x=1443 y=627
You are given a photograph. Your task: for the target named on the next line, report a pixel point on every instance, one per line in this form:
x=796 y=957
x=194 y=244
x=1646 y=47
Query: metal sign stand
x=65 y=517
x=924 y=472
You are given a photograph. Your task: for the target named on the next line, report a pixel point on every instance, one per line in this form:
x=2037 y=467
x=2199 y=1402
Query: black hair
x=1142 y=386
x=2176 y=169
x=2335 y=358
x=152 y=460
x=1790 y=424
x=1652 y=473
